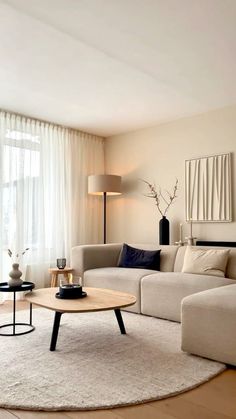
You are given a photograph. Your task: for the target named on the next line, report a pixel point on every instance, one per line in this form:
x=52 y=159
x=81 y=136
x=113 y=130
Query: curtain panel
x=44 y=203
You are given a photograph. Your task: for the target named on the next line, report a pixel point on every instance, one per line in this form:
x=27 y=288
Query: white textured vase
x=15 y=276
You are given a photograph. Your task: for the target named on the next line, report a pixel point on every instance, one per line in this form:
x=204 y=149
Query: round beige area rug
x=95 y=366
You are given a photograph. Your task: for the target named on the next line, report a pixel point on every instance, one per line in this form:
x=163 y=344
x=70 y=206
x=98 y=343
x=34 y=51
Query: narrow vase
x=164 y=231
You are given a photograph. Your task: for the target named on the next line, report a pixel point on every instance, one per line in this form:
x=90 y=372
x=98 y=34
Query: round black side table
x=26 y=286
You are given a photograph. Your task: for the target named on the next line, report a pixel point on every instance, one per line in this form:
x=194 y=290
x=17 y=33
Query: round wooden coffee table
x=98 y=299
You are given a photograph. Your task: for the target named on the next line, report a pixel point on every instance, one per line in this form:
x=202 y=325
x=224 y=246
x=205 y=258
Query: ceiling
x=112 y=66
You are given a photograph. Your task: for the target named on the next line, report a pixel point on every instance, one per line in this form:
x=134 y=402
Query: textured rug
x=95 y=366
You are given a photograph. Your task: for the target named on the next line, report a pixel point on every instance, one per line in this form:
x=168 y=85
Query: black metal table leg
x=14 y=313
x=120 y=321
x=30 y=314
x=55 y=329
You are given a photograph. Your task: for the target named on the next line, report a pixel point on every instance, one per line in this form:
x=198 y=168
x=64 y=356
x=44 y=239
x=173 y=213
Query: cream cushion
x=205 y=262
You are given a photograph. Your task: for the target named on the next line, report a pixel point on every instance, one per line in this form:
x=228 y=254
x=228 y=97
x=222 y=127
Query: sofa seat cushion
x=163 y=292
x=120 y=279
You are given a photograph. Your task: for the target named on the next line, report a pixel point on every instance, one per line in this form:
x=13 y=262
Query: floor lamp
x=104 y=185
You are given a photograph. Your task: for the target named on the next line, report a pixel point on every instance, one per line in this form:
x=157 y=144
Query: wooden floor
x=213 y=400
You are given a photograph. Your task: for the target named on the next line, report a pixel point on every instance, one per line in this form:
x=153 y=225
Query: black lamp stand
x=104 y=216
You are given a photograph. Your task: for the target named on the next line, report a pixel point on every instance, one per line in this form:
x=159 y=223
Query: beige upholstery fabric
x=88 y=261
x=162 y=293
x=205 y=261
x=103 y=255
x=179 y=260
x=231 y=265
x=209 y=324
x=120 y=279
x=94 y=256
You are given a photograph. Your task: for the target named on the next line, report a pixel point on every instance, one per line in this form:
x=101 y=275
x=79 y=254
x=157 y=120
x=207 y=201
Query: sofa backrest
x=86 y=257
x=167 y=257
x=230 y=268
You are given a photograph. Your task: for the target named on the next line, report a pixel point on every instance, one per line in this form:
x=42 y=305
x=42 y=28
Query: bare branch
x=172 y=197
x=164 y=199
x=158 y=195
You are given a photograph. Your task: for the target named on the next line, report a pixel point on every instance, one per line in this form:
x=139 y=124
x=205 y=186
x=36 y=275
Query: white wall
x=158 y=154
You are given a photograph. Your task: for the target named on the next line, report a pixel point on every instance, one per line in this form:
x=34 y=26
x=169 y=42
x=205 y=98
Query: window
x=21 y=170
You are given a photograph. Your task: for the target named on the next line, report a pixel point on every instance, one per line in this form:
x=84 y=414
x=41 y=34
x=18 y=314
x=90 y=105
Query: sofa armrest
x=93 y=256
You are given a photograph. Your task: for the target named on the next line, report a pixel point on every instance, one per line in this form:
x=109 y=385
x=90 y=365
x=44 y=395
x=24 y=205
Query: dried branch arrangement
x=161 y=199
x=17 y=255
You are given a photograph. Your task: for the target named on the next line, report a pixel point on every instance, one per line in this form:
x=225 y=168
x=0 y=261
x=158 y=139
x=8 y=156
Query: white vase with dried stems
x=15 y=274
x=163 y=201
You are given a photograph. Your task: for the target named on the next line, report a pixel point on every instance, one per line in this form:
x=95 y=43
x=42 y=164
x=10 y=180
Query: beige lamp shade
x=98 y=184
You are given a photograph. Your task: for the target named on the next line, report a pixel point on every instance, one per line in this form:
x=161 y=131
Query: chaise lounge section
x=209 y=324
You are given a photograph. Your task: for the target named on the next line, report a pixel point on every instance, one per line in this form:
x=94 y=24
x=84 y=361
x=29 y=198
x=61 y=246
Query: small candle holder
x=70 y=290
x=61 y=263
x=190 y=240
x=180 y=242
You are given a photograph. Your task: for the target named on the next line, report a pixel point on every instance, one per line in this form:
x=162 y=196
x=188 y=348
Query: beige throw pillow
x=205 y=262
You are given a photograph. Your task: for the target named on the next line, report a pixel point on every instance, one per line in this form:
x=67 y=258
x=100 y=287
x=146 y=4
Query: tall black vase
x=164 y=231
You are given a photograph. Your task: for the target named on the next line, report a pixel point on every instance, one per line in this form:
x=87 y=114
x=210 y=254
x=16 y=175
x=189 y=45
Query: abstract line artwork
x=208 y=188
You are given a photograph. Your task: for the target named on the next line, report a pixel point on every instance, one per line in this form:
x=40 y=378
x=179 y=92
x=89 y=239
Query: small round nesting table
x=67 y=272
x=26 y=286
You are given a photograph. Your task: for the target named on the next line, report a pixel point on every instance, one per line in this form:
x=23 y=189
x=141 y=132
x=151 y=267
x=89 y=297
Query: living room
x=134 y=89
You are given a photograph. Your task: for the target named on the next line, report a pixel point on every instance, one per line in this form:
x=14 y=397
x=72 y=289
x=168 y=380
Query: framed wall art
x=208 y=188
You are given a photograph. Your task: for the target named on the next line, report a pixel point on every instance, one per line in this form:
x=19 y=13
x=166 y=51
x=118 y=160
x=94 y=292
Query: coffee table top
x=98 y=299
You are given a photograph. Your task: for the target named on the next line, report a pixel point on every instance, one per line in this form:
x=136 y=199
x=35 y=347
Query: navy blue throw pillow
x=138 y=258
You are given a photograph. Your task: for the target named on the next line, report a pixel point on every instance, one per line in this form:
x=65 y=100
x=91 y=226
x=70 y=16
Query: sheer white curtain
x=44 y=204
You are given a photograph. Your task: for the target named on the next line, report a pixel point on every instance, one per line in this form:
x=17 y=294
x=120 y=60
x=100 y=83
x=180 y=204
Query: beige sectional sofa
x=205 y=304
x=158 y=294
